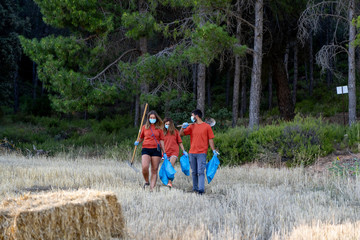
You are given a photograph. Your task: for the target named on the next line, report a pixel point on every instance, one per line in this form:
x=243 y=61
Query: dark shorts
x=152 y=152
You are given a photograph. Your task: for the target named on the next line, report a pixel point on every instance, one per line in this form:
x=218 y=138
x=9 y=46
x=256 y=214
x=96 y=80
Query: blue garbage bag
x=162 y=174
x=211 y=168
x=185 y=164
x=169 y=169
x=167 y=172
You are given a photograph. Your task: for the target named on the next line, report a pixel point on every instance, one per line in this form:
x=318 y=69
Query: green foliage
x=64 y=68
x=11 y=25
x=82 y=15
x=295 y=143
x=54 y=135
x=349 y=167
x=357 y=23
x=139 y=25
x=209 y=41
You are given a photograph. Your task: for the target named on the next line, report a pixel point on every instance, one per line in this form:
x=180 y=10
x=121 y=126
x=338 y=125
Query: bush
x=295 y=143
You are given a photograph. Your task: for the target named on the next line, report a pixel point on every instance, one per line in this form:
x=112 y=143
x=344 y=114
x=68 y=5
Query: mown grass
x=240 y=203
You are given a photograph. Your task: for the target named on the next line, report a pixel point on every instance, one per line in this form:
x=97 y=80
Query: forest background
x=75 y=75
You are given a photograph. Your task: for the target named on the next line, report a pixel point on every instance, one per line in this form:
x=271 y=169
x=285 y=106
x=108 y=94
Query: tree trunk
x=194 y=77
x=201 y=87
x=311 y=65
x=16 y=90
x=286 y=60
x=295 y=73
x=35 y=80
x=283 y=92
x=243 y=94
x=235 y=106
x=351 y=63
x=255 y=89
x=201 y=74
x=270 y=90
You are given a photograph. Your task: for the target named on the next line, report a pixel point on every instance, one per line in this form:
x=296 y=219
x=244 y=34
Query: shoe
x=146 y=185
x=169 y=184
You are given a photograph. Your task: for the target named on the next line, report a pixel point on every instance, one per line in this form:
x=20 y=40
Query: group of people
x=160 y=138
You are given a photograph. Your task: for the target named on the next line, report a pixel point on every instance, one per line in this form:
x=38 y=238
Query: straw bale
x=82 y=214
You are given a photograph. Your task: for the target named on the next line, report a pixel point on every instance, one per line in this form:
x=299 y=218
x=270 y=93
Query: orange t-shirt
x=199 y=137
x=149 y=140
x=172 y=143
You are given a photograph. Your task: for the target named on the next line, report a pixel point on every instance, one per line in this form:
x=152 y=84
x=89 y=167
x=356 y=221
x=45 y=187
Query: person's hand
x=216 y=153
x=136 y=143
x=185 y=153
x=165 y=156
x=185 y=125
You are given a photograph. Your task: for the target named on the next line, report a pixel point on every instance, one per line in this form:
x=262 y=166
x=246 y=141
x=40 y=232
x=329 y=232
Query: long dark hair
x=159 y=122
x=171 y=128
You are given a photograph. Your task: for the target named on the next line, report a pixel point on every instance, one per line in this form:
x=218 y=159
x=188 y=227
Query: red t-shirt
x=199 y=137
x=149 y=140
x=172 y=143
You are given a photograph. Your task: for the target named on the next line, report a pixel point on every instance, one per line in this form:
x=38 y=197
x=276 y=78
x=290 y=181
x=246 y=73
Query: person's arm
x=182 y=147
x=162 y=146
x=211 y=143
x=182 y=132
x=140 y=140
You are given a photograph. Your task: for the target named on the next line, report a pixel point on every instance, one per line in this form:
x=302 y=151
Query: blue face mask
x=193 y=119
x=166 y=126
x=152 y=121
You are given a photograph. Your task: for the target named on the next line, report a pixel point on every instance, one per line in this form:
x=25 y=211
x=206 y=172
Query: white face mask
x=193 y=119
x=166 y=126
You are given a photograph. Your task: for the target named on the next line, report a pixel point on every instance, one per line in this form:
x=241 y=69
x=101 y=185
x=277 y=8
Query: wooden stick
x=142 y=120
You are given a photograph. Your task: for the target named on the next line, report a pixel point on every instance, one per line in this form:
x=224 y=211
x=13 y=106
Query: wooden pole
x=142 y=120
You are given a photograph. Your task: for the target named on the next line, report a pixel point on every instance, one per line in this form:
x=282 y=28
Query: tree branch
x=107 y=67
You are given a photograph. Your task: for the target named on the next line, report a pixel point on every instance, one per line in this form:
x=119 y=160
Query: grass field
x=240 y=203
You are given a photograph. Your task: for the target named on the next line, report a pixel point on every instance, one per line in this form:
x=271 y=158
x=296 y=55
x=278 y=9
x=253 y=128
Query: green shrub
x=297 y=143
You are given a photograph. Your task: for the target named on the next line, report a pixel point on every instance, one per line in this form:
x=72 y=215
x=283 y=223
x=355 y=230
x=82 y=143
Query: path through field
x=240 y=203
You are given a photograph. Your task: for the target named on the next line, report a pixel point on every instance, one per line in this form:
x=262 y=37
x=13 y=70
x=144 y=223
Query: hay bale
x=82 y=214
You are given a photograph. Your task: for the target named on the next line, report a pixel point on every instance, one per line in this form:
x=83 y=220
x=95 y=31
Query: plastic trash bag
x=185 y=165
x=169 y=169
x=167 y=172
x=162 y=175
x=211 y=168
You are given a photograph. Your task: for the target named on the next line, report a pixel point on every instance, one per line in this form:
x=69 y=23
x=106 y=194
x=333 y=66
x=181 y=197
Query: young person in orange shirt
x=152 y=136
x=172 y=142
x=201 y=136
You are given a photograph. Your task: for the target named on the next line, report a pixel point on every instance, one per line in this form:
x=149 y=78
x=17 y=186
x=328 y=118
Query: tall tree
x=352 y=65
x=344 y=13
x=255 y=89
x=237 y=73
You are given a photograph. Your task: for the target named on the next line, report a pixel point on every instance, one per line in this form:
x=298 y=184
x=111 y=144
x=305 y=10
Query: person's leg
x=172 y=160
x=145 y=163
x=201 y=164
x=155 y=161
x=194 y=171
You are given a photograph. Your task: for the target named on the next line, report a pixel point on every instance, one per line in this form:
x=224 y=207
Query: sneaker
x=169 y=184
x=146 y=185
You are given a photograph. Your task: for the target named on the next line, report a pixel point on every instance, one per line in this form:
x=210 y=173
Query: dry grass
x=82 y=214
x=240 y=203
